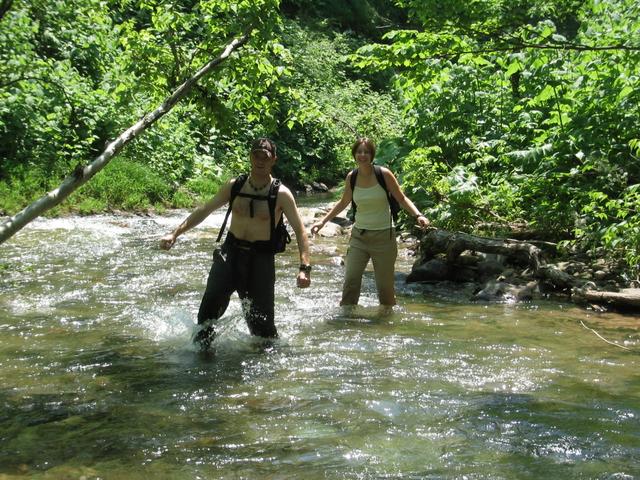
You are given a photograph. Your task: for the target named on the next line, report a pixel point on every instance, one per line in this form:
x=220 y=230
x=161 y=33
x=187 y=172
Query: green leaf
x=625 y=92
x=513 y=68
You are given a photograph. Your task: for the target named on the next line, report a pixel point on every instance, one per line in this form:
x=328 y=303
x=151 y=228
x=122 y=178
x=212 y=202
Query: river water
x=99 y=379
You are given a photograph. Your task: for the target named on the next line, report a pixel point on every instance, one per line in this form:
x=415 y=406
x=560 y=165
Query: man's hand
x=304 y=279
x=167 y=241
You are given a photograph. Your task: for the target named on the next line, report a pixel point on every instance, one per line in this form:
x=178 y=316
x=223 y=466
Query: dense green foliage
x=522 y=112
x=493 y=113
x=77 y=73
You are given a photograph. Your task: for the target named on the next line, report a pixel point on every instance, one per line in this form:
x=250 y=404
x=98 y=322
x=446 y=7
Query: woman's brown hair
x=368 y=143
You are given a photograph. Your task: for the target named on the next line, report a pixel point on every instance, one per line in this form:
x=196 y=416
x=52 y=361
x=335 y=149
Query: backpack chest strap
x=252 y=197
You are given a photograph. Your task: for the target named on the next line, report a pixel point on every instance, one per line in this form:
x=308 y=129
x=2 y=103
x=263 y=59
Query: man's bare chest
x=256 y=208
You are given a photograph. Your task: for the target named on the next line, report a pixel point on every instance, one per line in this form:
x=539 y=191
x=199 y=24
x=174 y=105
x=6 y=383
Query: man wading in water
x=245 y=261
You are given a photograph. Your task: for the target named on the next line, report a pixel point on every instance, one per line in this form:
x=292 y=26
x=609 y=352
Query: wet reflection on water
x=98 y=377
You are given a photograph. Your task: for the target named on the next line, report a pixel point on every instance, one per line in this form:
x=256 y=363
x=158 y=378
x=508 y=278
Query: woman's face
x=363 y=154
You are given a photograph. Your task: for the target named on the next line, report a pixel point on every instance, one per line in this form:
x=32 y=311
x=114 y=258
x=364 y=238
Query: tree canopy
x=495 y=114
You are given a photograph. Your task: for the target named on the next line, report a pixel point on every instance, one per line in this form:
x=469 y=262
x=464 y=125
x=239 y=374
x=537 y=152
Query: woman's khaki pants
x=380 y=246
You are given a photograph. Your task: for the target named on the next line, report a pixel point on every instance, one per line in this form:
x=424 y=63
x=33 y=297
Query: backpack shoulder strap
x=380 y=177
x=352 y=182
x=272 y=198
x=394 y=207
x=235 y=190
x=237 y=186
x=354 y=177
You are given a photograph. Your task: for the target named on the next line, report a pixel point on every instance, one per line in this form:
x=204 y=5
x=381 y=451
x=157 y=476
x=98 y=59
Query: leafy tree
x=325 y=109
x=75 y=74
x=52 y=97
x=535 y=101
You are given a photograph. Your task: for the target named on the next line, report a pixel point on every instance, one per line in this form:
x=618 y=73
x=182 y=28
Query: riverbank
x=483 y=269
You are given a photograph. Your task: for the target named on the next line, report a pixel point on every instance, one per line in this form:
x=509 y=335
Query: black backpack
x=394 y=206
x=279 y=234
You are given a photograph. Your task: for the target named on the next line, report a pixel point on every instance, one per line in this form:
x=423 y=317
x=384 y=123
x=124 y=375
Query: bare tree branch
x=602 y=338
x=82 y=174
x=561 y=46
x=18 y=80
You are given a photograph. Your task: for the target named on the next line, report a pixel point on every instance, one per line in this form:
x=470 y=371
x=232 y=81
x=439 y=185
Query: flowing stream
x=99 y=378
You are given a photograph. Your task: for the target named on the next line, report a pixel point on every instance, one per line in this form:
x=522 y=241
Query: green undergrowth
x=123 y=185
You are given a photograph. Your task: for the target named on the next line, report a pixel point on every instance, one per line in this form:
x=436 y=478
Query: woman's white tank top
x=372 y=211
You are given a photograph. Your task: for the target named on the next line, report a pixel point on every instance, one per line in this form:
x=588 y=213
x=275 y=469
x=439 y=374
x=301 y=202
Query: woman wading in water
x=373 y=234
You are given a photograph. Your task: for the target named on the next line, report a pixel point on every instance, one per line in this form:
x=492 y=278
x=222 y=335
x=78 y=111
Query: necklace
x=257 y=189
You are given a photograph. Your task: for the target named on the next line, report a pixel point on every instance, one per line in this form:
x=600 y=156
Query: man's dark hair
x=264 y=144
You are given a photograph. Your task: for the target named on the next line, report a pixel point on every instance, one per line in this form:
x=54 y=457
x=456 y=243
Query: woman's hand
x=423 y=221
x=315 y=228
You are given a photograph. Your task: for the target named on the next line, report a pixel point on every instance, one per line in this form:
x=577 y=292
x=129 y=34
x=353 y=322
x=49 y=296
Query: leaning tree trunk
x=82 y=175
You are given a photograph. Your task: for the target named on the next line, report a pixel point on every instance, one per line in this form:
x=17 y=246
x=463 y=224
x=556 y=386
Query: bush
x=124 y=184
x=202 y=187
x=22 y=188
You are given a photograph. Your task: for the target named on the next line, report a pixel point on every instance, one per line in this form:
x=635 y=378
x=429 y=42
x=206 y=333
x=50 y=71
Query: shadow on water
x=530 y=436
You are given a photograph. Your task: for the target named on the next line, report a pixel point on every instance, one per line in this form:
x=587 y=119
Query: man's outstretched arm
x=197 y=216
x=293 y=216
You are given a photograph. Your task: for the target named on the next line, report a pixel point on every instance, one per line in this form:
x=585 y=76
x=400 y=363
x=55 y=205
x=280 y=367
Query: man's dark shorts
x=249 y=269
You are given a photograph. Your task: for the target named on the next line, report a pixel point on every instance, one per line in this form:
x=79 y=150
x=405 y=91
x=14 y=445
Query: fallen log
x=454 y=243
x=440 y=259
x=559 y=279
x=624 y=299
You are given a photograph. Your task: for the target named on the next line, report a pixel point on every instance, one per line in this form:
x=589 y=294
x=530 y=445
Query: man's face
x=262 y=161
